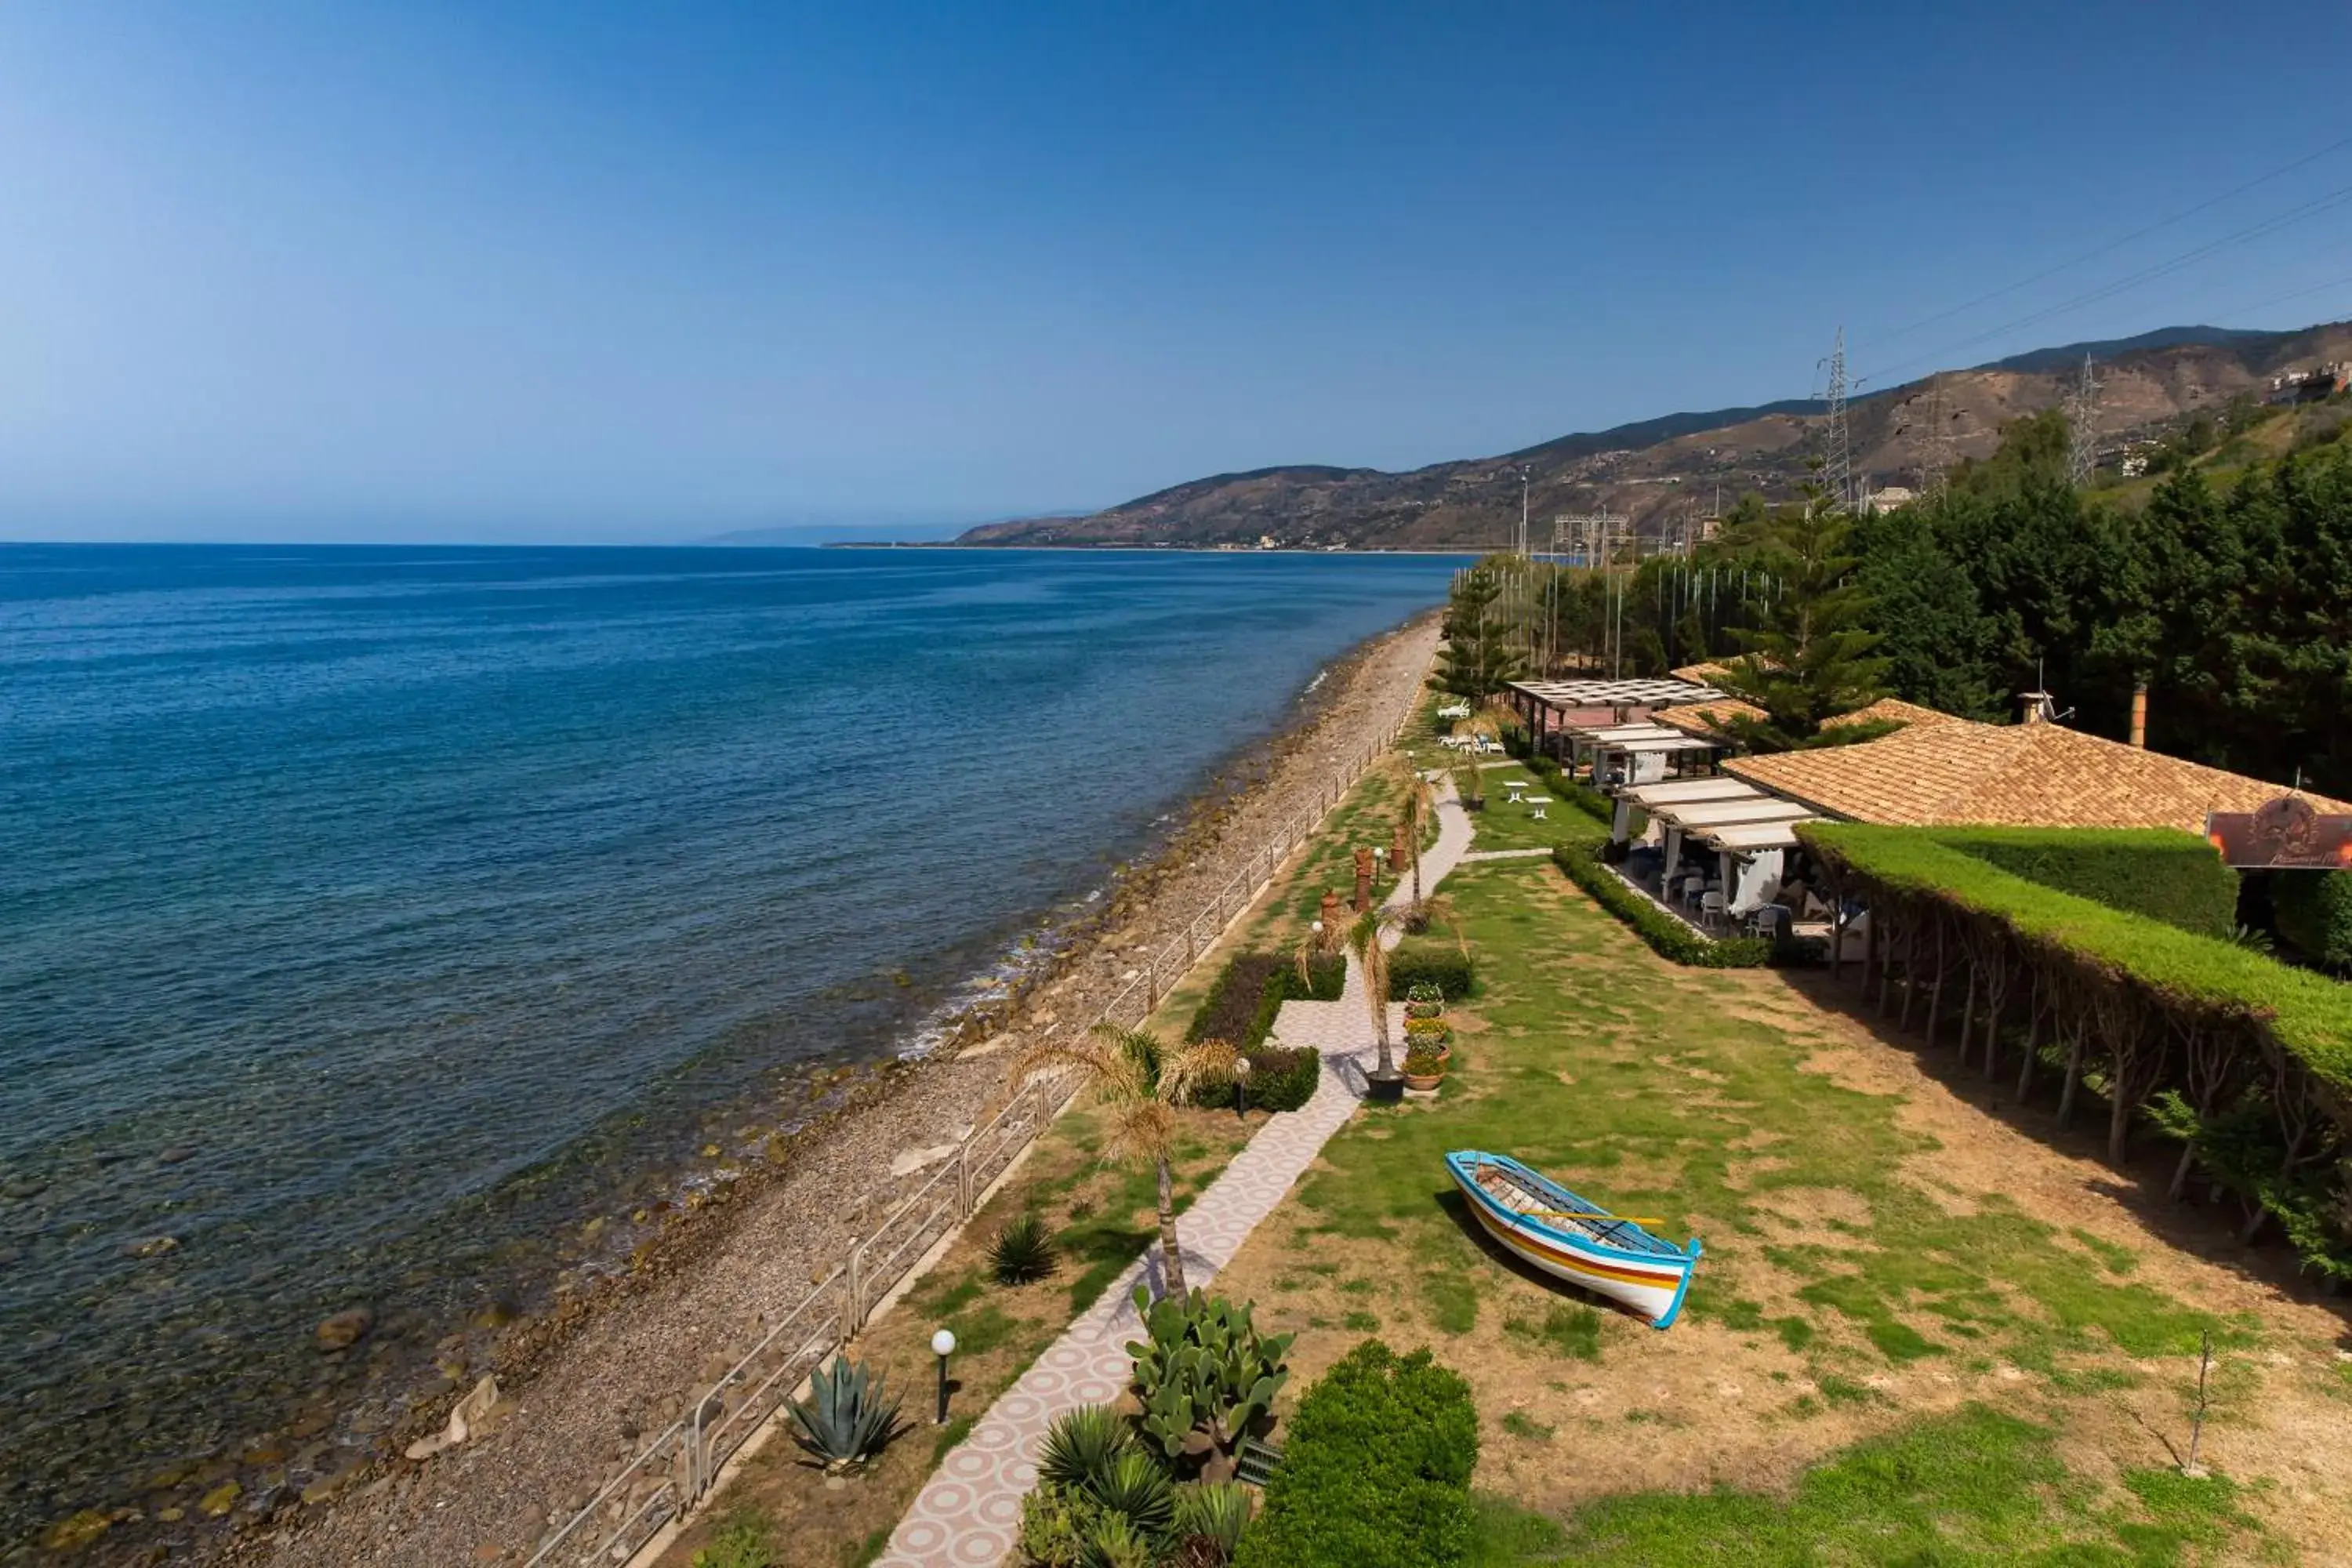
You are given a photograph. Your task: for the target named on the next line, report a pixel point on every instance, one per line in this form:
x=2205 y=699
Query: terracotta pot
x=1420 y=1083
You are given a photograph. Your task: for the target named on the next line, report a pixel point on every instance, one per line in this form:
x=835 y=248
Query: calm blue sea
x=366 y=914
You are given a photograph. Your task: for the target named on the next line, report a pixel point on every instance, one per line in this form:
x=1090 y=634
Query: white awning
x=1745 y=837
x=1722 y=814
x=1662 y=743
x=1693 y=791
x=1617 y=734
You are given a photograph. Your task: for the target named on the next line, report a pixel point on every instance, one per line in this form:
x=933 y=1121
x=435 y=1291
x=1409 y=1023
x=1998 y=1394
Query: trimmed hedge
x=2306 y=1014
x=1668 y=936
x=1327 y=979
x=1420 y=961
x=1282 y=1078
x=1574 y=791
x=1375 y=1471
x=1242 y=1003
x=1249 y=992
x=2159 y=872
x=2313 y=911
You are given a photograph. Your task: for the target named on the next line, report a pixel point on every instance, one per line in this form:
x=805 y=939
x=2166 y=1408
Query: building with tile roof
x=1943 y=770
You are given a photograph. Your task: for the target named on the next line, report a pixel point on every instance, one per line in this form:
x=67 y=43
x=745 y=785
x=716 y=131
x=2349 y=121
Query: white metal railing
x=680 y=1467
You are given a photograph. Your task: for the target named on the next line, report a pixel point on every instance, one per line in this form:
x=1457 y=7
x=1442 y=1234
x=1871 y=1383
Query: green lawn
x=1684 y=1110
x=1976 y=1487
x=1845 y=1280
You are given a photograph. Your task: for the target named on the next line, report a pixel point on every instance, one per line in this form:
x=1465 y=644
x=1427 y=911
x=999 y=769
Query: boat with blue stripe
x=1572 y=1238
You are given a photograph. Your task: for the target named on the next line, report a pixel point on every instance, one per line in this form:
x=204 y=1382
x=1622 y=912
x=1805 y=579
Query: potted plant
x=1424 y=1001
x=1424 y=1069
x=1434 y=1034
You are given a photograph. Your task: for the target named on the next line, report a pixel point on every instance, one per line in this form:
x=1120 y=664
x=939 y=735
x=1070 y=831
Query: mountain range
x=1665 y=474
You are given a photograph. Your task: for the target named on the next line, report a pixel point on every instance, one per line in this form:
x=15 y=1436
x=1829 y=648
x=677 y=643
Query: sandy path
x=632 y=1366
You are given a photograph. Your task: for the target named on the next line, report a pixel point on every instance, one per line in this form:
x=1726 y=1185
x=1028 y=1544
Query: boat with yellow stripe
x=1574 y=1239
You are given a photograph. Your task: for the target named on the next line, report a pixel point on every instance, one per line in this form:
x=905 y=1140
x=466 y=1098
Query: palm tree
x=1138 y=1082
x=1372 y=955
x=1418 y=806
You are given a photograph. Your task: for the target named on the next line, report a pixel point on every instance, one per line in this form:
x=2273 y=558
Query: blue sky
x=580 y=272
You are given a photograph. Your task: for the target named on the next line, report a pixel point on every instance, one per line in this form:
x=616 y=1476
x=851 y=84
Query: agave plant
x=1215 y=1511
x=1116 y=1542
x=847 y=1417
x=1081 y=1444
x=1136 y=1487
x=1023 y=1252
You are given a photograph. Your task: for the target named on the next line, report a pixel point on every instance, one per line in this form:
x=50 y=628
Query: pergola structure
x=1595 y=713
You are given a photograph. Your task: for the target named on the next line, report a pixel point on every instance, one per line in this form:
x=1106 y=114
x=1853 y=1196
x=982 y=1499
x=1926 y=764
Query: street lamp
x=1241 y=1085
x=944 y=1346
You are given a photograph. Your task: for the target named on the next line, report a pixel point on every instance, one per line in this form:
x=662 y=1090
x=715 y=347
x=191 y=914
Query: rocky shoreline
x=615 y=1358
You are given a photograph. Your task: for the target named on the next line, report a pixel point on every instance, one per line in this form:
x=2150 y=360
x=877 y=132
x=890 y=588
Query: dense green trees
x=2230 y=594
x=1483 y=644
x=1812 y=659
x=2232 y=600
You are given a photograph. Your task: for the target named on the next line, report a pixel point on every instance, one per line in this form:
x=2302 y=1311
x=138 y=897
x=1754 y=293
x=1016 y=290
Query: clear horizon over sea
x=373 y=913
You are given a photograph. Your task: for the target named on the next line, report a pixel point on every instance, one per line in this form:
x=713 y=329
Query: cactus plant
x=1204 y=1377
x=847 y=1417
x=1081 y=1444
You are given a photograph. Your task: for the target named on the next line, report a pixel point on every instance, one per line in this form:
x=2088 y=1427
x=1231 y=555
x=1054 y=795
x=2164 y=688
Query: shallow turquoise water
x=366 y=912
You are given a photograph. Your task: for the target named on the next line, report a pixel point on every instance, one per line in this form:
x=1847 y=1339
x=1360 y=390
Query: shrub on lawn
x=1443 y=964
x=2314 y=910
x=1670 y=937
x=1375 y=1472
x=1327 y=979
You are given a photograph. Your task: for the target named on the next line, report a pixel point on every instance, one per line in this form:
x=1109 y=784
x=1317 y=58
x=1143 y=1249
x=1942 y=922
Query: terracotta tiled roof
x=1697 y=673
x=2021 y=775
x=1707 y=718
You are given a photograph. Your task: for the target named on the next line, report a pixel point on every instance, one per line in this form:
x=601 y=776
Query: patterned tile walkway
x=968 y=1514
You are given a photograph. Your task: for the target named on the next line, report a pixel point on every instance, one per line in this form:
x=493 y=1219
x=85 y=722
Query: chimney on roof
x=2034 y=707
x=2139 y=716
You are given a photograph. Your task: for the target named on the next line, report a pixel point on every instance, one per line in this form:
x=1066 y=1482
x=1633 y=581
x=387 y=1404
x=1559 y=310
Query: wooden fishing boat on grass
x=1573 y=1239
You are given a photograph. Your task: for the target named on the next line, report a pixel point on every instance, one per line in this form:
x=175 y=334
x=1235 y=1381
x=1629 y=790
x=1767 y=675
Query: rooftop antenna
x=2083 y=427
x=1838 y=472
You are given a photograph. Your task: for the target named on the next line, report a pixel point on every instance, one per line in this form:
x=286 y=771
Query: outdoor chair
x=1710 y=906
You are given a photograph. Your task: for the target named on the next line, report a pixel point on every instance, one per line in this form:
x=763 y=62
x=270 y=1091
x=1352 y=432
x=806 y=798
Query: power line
x=2114 y=244
x=2283 y=298
x=2270 y=225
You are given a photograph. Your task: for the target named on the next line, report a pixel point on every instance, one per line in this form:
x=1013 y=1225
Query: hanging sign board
x=2287 y=834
